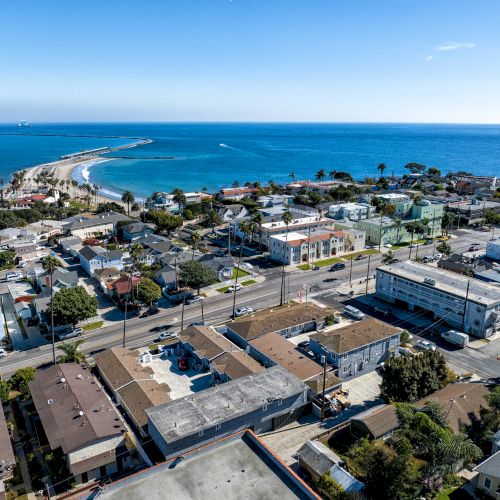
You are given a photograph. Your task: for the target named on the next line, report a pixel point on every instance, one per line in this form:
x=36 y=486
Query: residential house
x=487 y=479
x=287 y=321
x=239 y=465
x=222 y=266
x=382 y=230
x=272 y=349
x=103 y=224
x=135 y=231
x=121 y=289
x=275 y=200
x=131 y=383
x=106 y=277
x=467 y=304
x=357 y=348
x=378 y=422
x=95 y=257
x=351 y=211
x=231 y=365
x=472 y=212
x=61 y=279
x=166 y=277
x=232 y=212
x=26 y=252
x=70 y=243
x=317 y=459
x=7 y=458
x=261 y=401
x=203 y=344
x=237 y=193
x=78 y=417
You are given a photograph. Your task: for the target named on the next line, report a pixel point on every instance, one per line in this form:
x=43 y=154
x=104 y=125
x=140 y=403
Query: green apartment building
x=387 y=230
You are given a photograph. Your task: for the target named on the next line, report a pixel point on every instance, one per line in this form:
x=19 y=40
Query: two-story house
x=60 y=279
x=135 y=231
x=95 y=257
x=357 y=348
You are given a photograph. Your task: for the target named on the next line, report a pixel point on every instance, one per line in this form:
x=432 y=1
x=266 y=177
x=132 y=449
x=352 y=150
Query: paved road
x=219 y=309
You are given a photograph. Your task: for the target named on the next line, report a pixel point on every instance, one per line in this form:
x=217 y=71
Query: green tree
x=195 y=275
x=343 y=176
x=148 y=291
x=212 y=220
x=20 y=380
x=195 y=240
x=180 y=198
x=7 y=259
x=164 y=221
x=136 y=250
x=410 y=378
x=434 y=171
x=330 y=489
x=447 y=220
x=110 y=206
x=50 y=264
x=4 y=391
x=444 y=248
x=72 y=353
x=72 y=305
x=128 y=198
x=415 y=168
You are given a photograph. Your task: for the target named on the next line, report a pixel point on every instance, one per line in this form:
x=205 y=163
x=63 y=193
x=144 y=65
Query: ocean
x=193 y=156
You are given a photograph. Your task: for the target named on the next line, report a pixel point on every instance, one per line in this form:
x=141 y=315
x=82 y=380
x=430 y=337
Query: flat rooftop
x=237 y=467
x=295 y=222
x=181 y=383
x=224 y=402
x=447 y=281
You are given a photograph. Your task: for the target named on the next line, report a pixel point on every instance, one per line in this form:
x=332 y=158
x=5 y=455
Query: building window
x=217 y=427
x=367 y=359
x=200 y=433
x=487 y=483
x=344 y=369
x=280 y=402
x=344 y=356
x=264 y=408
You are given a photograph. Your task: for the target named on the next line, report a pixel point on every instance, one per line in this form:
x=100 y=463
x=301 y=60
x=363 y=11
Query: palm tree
x=292 y=176
x=212 y=219
x=72 y=353
x=398 y=223
x=258 y=220
x=195 y=239
x=320 y=174
x=332 y=174
x=287 y=218
x=381 y=167
x=136 y=250
x=179 y=198
x=50 y=264
x=128 y=198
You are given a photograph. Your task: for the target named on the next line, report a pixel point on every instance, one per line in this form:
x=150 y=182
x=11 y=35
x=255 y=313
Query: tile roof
x=206 y=342
x=74 y=410
x=125 y=284
x=276 y=319
x=355 y=335
x=460 y=402
x=283 y=352
x=236 y=364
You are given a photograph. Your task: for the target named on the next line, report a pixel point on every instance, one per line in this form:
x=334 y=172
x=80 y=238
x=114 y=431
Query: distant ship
x=23 y=123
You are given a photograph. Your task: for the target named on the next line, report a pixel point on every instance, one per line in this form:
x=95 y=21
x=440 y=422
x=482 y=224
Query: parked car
x=167 y=336
x=438 y=256
x=329 y=280
x=361 y=256
x=150 y=312
x=337 y=266
x=22 y=264
x=242 y=311
x=353 y=312
x=428 y=241
x=236 y=287
x=3 y=353
x=13 y=276
x=198 y=323
x=194 y=300
x=303 y=345
x=425 y=345
x=426 y=259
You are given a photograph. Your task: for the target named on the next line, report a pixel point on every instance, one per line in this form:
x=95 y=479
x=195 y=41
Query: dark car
x=150 y=312
x=197 y=323
x=337 y=266
x=361 y=256
x=329 y=280
x=303 y=345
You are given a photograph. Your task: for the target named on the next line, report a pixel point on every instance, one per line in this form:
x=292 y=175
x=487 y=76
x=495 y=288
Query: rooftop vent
x=80 y=413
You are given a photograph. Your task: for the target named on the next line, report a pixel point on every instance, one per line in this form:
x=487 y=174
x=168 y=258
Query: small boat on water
x=23 y=123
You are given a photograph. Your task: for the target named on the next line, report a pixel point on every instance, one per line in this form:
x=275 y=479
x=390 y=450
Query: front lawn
x=248 y=282
x=224 y=289
x=237 y=272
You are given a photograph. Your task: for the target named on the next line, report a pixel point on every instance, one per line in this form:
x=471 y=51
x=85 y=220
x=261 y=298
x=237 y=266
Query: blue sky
x=250 y=60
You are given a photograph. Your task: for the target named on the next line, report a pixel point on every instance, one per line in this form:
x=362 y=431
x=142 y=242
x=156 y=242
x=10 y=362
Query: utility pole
x=309 y=248
x=323 y=359
x=350 y=273
x=182 y=312
x=465 y=305
x=202 y=312
x=236 y=282
x=367 y=278
x=127 y=298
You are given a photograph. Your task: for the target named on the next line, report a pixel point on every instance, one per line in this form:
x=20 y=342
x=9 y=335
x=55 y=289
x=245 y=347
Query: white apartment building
x=467 y=304
x=352 y=211
x=393 y=198
x=166 y=201
x=297 y=248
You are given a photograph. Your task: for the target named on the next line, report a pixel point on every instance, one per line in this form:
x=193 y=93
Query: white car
x=3 y=353
x=425 y=346
x=194 y=300
x=13 y=276
x=167 y=336
x=236 y=287
x=242 y=311
x=438 y=256
x=22 y=264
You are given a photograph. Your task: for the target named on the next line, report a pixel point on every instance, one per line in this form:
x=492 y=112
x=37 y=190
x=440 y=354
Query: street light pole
x=367 y=278
x=350 y=273
x=126 y=309
x=323 y=359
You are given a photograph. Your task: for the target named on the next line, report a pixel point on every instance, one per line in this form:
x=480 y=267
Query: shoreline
x=77 y=168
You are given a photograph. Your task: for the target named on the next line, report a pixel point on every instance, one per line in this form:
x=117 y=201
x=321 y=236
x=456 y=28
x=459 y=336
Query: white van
x=353 y=312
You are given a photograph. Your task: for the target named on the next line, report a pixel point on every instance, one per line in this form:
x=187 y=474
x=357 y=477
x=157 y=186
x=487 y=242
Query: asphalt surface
x=219 y=309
